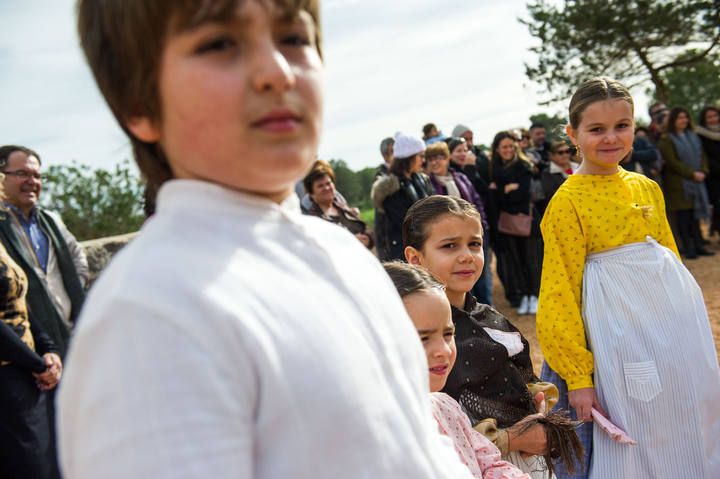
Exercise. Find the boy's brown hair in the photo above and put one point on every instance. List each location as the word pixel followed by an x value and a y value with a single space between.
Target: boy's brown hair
pixel 123 41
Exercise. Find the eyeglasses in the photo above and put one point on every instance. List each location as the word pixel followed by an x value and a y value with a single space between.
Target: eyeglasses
pixel 433 158
pixel 24 174
pixel 562 152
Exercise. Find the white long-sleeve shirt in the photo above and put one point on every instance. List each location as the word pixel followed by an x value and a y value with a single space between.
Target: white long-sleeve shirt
pixel 236 338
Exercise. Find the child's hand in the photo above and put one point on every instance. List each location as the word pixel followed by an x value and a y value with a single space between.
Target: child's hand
pixel 532 441
pixel 583 400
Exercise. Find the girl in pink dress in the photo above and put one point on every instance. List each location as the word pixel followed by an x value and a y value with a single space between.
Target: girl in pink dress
pixel 429 309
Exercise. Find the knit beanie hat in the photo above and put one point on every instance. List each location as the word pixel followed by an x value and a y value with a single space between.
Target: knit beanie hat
pixel 407 145
pixel 459 130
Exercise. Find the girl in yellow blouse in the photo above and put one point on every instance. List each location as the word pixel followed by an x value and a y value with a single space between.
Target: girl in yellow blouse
pixel 621 320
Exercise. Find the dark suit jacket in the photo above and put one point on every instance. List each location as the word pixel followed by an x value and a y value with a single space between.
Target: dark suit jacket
pixel 41 307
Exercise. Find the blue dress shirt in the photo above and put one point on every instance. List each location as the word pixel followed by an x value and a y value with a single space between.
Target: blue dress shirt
pixel 38 238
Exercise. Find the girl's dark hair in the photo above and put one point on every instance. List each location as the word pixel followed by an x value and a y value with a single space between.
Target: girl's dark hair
pixel 674 114
pixel 409 279
pixel 422 215
pixel 704 112
pixel 400 166
pixel 594 90
pixel 453 142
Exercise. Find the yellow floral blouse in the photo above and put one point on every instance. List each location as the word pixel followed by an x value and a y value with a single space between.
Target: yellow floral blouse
pixel 589 213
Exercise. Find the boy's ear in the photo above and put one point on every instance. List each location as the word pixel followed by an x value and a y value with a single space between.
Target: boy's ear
pixel 144 129
pixel 413 256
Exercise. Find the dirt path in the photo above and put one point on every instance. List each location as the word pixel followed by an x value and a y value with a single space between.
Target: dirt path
pixel 706 271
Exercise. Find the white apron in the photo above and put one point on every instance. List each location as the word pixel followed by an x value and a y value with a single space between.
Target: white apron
pixel 534 466
pixel 656 370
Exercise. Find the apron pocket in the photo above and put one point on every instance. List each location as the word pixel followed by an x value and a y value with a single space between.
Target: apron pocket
pixel 642 380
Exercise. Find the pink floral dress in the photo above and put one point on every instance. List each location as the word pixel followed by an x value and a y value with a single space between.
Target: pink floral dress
pixel 480 455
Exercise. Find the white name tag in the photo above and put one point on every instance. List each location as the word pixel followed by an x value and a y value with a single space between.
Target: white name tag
pixel 511 341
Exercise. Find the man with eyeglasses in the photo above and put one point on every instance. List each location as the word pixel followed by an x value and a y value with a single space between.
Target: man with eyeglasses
pixel 38 241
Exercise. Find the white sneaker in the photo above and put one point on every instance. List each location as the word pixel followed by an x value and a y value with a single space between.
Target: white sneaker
pixel 532 308
pixel 524 306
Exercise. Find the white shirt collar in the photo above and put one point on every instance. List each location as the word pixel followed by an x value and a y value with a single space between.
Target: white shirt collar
pixel 213 198
pixel 556 169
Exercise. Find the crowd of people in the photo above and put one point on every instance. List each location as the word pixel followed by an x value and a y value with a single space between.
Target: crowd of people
pixel 250 333
pixel 512 184
pixel 509 190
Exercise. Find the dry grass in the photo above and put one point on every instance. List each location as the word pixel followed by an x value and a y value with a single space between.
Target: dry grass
pixel 706 271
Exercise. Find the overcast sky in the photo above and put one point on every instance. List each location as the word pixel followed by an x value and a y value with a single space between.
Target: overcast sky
pixel 390 65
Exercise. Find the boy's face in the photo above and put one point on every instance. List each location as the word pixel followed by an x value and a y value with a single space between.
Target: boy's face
pixel 241 101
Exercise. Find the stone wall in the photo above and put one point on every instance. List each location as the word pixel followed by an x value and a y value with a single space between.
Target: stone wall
pixel 100 251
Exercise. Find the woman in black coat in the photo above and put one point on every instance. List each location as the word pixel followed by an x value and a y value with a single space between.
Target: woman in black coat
pixel 518 257
pixel 29 365
pixel 395 193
